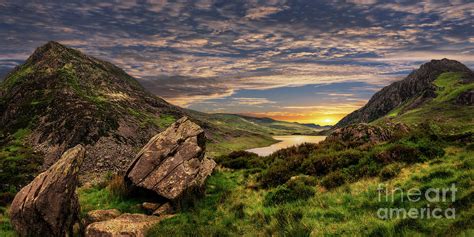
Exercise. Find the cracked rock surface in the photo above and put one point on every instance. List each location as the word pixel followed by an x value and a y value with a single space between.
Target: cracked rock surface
pixel 173 161
pixel 48 206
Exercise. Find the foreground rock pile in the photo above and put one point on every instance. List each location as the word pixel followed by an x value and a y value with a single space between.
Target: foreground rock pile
pixel 48 206
pixel 171 164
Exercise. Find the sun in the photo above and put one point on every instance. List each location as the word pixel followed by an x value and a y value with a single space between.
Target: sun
pixel 327 121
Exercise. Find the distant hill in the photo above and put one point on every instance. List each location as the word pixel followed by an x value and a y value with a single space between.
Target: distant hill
pixel 413 91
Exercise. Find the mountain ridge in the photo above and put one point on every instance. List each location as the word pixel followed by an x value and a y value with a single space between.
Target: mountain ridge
pixel 417 85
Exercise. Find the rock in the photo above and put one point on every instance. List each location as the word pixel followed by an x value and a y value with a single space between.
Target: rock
pixel 150 207
pixel 466 98
pixel 101 215
pixel 125 225
pixel 163 209
pixel 48 206
pixel 360 134
pixel 173 161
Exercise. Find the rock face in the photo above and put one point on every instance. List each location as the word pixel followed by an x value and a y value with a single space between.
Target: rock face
pixel 466 98
pixel 361 133
pixel 416 85
pixel 173 161
pixel 48 206
pixel 135 225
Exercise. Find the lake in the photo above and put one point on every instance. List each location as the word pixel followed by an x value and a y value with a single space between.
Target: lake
pixel 286 141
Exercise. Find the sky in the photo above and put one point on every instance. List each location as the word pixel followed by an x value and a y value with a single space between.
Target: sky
pixel 308 61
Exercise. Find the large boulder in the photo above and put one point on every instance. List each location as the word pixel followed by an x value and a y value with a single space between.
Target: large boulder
pixel 135 225
pixel 173 161
pixel 48 206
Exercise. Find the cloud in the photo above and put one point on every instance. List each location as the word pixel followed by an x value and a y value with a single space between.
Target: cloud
pixel 190 52
pixel 253 101
pixel 261 12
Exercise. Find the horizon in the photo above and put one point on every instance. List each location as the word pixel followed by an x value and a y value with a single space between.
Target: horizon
pixel 300 61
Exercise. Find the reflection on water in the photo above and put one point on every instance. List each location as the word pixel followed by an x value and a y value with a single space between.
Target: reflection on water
pixel 285 141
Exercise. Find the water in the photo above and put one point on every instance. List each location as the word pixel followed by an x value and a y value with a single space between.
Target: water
pixel 286 141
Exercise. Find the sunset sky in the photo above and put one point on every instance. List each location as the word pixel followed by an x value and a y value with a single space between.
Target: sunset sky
pixel 303 60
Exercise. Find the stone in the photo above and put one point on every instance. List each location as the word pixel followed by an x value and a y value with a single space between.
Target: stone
pixel 466 98
pixel 125 225
pixel 150 207
pixel 101 215
pixel 173 161
pixel 360 134
pixel 164 209
pixel 48 206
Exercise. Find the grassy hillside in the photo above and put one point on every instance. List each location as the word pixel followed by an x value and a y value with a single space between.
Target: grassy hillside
pixel 441 111
pixel 303 207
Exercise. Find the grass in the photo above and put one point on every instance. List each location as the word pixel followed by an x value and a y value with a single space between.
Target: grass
pixel 450 86
pixel 6 229
pixel 19 165
pixel 161 121
pixel 95 198
pixel 226 146
pixel 14 78
pixel 232 207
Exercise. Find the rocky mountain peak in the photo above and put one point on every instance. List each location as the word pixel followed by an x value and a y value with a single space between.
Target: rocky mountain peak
pixel 418 84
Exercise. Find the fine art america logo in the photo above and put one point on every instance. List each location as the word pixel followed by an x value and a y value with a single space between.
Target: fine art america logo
pixel 434 197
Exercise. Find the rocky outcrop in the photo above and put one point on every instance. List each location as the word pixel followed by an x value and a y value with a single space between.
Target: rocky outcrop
pixel 417 85
pixel 135 225
pixel 359 134
pixel 173 161
pixel 48 206
pixel 466 98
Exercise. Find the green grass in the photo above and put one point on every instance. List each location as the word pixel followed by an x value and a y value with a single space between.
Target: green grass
pixel 95 198
pixel 14 78
pixel 450 86
pixel 226 146
pixel 231 207
pixel 19 164
pixel 161 121
pixel 6 229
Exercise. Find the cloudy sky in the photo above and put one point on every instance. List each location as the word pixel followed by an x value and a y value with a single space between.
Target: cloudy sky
pixel 301 60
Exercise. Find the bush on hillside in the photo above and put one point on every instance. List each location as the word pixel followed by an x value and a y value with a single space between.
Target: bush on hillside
pixel 389 171
pixel 290 192
pixel 240 160
pixel 333 180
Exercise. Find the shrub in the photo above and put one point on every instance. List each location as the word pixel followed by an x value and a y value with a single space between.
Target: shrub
pixel 293 191
pixel 239 160
pixel 278 173
pixel 399 152
pixel 333 180
pixel 389 171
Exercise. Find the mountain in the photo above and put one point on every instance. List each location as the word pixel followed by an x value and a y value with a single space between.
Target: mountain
pixel 316 126
pixel 411 92
pixel 61 97
pixel 276 127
